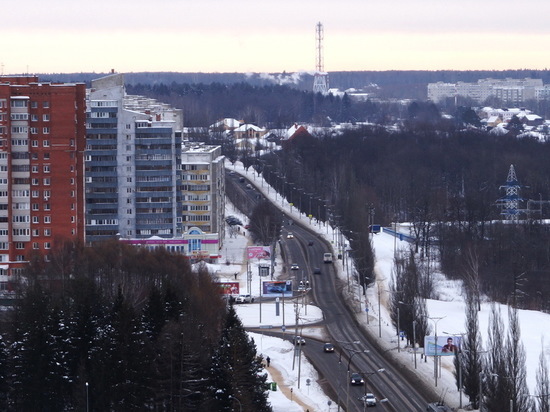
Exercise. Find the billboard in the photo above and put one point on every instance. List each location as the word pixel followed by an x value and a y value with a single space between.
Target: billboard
pixel 258 252
pixel 444 346
pixel 277 288
pixel 229 288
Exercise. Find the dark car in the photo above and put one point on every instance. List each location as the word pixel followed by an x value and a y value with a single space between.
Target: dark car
pixel 328 348
pixel 310 243
pixel 356 379
pixel 316 271
pixel 294 266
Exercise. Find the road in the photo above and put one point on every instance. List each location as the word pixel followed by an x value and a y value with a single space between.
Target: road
pixel 356 348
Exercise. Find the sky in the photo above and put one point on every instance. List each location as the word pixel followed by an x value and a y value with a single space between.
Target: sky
pixel 449 307
pixel 61 36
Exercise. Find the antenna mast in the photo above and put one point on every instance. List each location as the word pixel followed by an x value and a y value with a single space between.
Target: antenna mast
pixel 320 79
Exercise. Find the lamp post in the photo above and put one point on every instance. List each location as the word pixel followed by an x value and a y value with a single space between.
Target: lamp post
pixel 87 398
pixel 238 401
pixel 459 357
pixel 366 375
pixel 436 360
pixel 349 363
pixel 355 342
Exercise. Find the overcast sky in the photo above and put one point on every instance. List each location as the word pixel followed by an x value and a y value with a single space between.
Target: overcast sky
pixel 272 36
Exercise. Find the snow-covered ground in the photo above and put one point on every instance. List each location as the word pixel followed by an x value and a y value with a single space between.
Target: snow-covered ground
pixel 450 308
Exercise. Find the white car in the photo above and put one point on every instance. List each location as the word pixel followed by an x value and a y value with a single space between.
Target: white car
pixel 290 235
pixel 244 299
pixel 369 399
pixel 294 266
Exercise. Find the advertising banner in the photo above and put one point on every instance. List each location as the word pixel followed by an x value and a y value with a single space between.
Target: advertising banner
pixel 277 288
pixel 229 288
pixel 445 346
pixel 259 252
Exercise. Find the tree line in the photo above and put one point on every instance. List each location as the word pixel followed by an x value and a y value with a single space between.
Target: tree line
pixel 118 328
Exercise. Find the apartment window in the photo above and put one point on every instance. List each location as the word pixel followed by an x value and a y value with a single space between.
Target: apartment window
pixel 19 103
pixel 36 232
pixel 47 206
pixel 46 168
pixel 46 117
pixel 47 181
pixel 72 219
pixel 45 130
pixel 35 193
pixel 34 182
pixel 72 206
pixel 34 130
pixel 35 219
pixel 72 193
pixel 34 105
pixel 34 117
pixel 129 179
pixel 34 155
pixel 47 155
pixel 20 258
pixel 35 206
pixel 47 194
pixel 35 245
pixel 72 180
pixel 46 104
pixel 34 169
pixel 47 219
pixel 71 142
pixel 47 232
pixel 19 245
pixel 34 143
pixel 47 245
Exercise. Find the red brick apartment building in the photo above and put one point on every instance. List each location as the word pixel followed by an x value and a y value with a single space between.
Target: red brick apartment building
pixel 42 142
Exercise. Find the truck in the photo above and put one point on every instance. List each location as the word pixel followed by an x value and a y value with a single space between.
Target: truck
pixel 327 257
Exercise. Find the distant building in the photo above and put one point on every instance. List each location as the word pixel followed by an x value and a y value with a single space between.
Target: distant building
pixel 133 161
pixel 510 91
pixel 42 140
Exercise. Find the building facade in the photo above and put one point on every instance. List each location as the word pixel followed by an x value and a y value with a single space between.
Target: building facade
pixel 203 198
pixel 133 162
pixel 42 136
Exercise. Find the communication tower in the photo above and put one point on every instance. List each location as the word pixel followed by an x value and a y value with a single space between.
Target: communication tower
pixel 320 79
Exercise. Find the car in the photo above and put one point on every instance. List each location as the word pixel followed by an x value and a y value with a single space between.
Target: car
pixel 294 266
pixel 310 243
pixel 244 299
pixel 316 271
pixel 356 379
pixel 298 340
pixel 328 347
pixel 369 399
pixel 301 287
pixel 289 235
pixel 276 289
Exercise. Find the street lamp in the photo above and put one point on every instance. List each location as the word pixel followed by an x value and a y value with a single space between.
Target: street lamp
pixel 87 398
pixel 436 360
pixel 366 375
pixel 238 401
pixel 459 357
pixel 349 363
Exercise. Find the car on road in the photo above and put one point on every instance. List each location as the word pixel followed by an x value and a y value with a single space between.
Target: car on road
pixel 369 399
pixel 294 266
pixel 316 271
pixel 289 235
pixel 356 379
pixel 298 340
pixel 328 347
pixel 310 243
pixel 244 299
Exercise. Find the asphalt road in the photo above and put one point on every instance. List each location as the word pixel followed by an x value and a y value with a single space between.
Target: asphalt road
pixel 356 348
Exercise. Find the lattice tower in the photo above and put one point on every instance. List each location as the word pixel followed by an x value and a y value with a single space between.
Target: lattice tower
pixel 320 79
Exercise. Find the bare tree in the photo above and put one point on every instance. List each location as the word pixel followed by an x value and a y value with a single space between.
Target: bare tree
pixel 543 384
pixel 515 365
pixel 470 360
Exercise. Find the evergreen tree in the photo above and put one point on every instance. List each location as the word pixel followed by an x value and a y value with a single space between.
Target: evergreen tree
pixel 237 370
pixel 4 371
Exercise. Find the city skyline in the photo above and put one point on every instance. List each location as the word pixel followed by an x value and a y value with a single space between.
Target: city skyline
pixel 213 36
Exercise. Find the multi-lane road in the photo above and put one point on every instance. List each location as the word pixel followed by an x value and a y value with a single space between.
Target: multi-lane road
pixel 356 348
